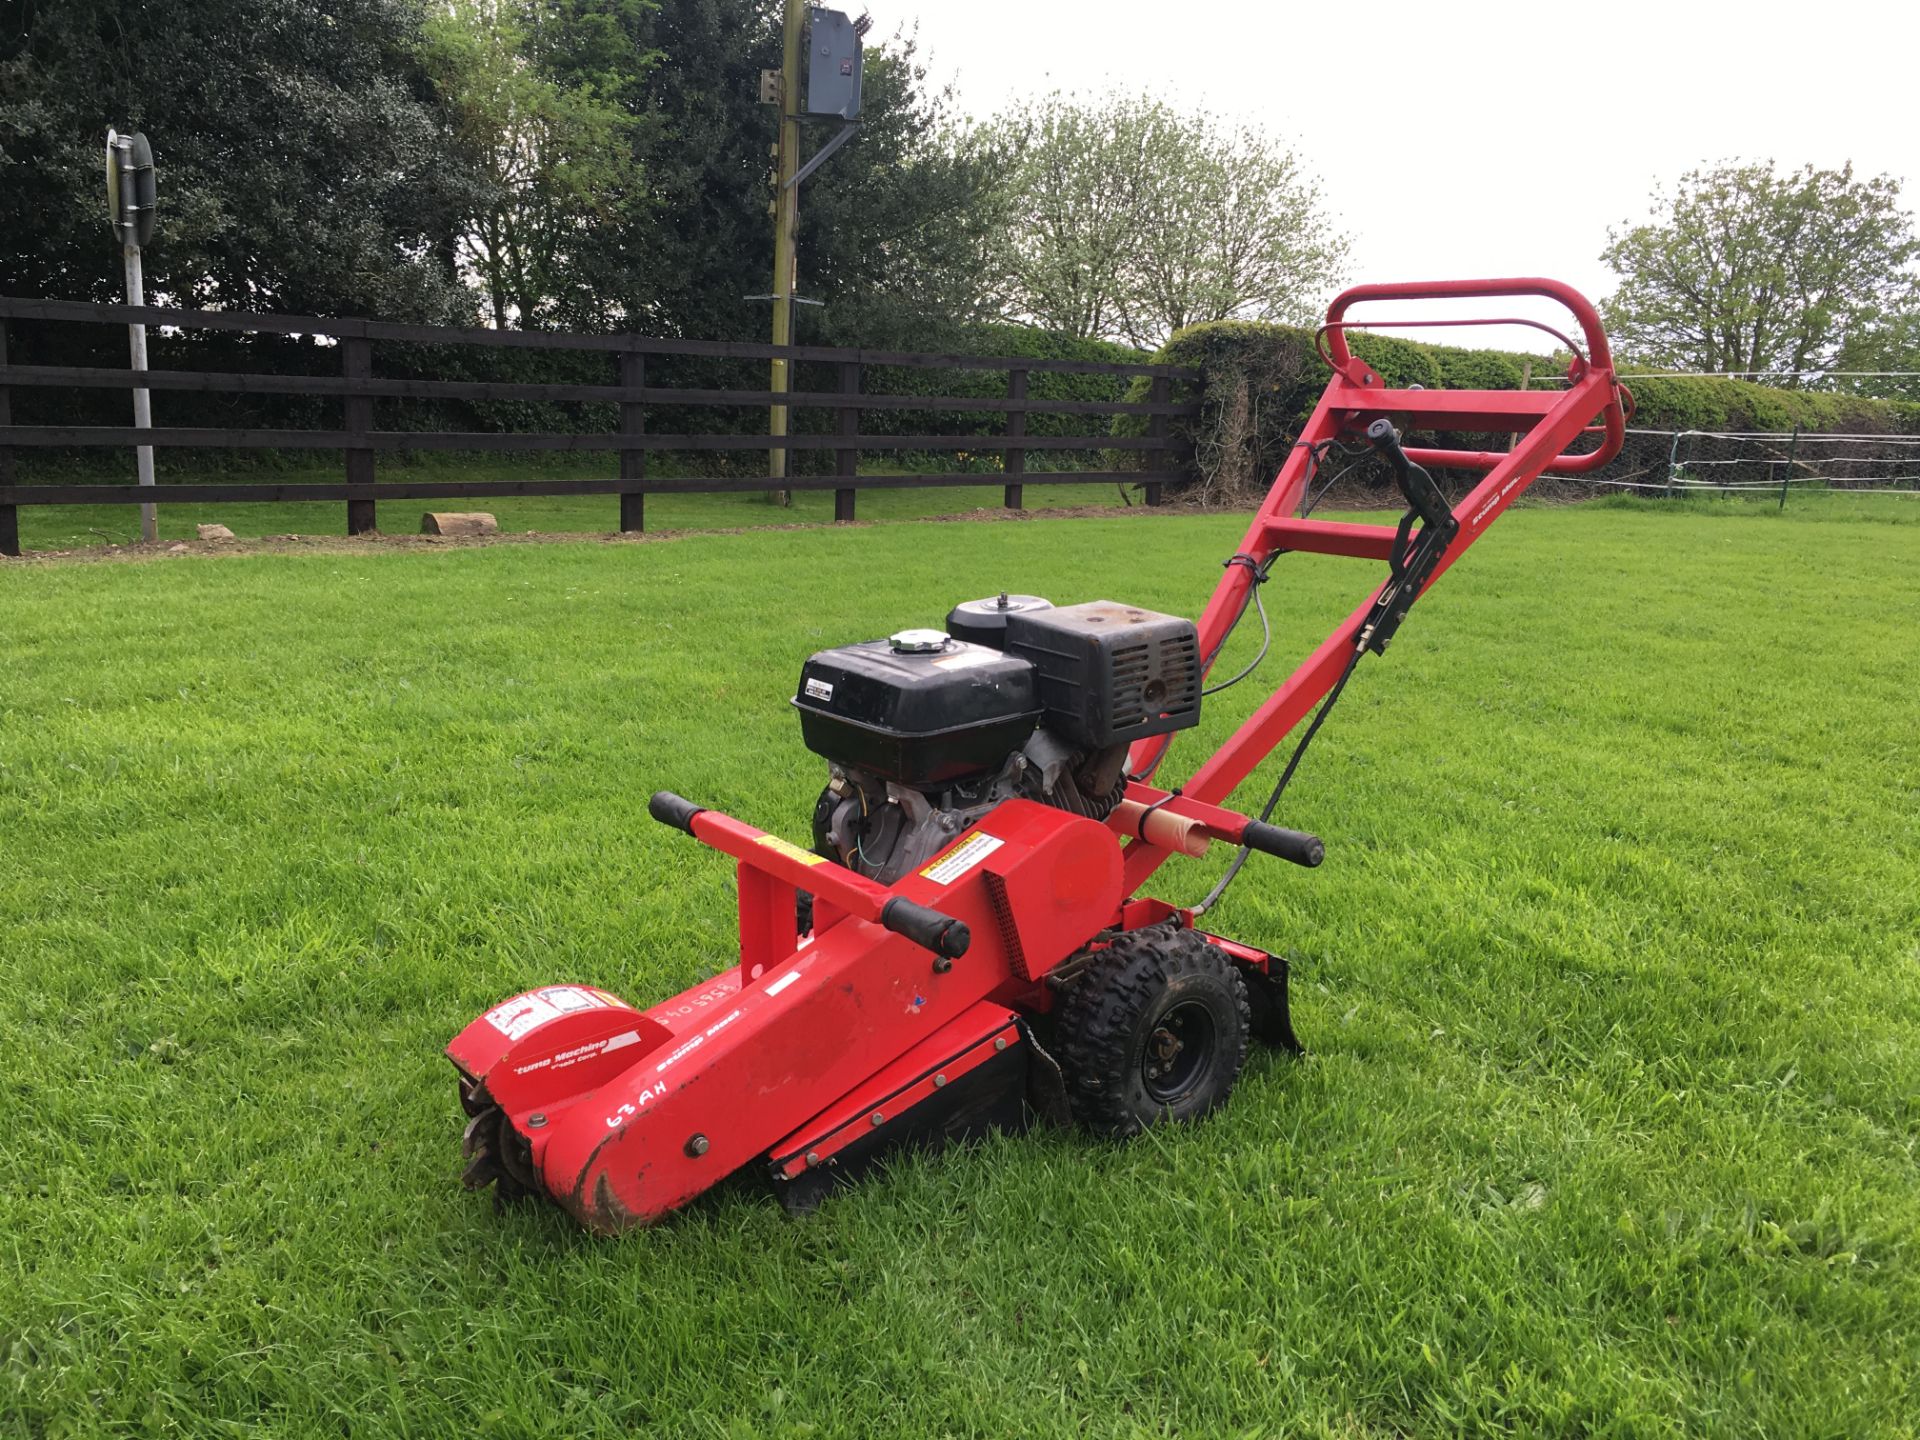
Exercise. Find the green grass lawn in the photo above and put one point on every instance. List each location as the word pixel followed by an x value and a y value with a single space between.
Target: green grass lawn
pixel 1611 982
pixel 66 527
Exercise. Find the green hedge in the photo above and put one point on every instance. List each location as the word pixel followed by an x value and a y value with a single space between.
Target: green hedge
pixel 1260 383
pixel 1000 340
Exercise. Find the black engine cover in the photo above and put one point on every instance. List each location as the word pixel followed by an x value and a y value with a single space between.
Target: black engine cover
pixel 1110 673
pixel 917 719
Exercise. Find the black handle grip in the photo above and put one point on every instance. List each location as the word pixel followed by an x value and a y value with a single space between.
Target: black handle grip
pixel 670 809
pixel 929 929
pixel 1386 440
pixel 1294 845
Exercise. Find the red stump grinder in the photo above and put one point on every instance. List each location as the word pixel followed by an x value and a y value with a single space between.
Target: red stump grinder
pixel 966 944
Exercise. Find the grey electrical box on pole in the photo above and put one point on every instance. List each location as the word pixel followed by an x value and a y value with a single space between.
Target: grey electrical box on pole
pixel 132 199
pixel 833 64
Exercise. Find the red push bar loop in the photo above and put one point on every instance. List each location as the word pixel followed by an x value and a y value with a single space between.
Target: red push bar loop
pixel 1582 310
pixel 1334 326
pixel 1599 367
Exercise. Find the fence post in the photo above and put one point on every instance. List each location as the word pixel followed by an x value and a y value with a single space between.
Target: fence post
pixel 847 457
pixel 1793 447
pixel 1160 394
pixel 9 514
pixel 633 463
pixel 357 364
pixel 1016 462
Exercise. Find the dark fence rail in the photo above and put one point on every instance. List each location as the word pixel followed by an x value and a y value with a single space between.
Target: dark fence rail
pixel 628 399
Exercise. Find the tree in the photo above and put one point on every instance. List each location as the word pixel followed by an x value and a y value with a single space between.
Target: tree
pixel 301 163
pixel 1889 345
pixel 891 228
pixel 1127 218
pixel 1744 269
pixel 539 96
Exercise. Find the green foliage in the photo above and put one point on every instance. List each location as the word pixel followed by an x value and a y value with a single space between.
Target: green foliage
pixel 301 167
pixel 538 99
pixel 587 164
pixel 1693 403
pixel 890 227
pixel 1123 216
pixel 1261 382
pixel 1005 340
pixel 1889 345
pixel 1743 269
pixel 1606 1128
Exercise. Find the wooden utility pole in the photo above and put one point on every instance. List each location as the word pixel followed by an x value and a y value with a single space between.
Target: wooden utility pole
pixel 786 210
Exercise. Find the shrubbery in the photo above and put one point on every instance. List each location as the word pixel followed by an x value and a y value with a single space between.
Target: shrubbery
pixel 1260 382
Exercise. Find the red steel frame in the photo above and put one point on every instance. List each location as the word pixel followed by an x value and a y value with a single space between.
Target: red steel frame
pixel 814 1039
pixel 1552 420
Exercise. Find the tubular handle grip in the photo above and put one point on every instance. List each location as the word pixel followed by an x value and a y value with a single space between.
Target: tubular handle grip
pixel 929 929
pixel 1386 440
pixel 1293 845
pixel 671 809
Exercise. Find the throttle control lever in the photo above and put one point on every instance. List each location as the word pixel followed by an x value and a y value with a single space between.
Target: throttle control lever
pixel 1414 554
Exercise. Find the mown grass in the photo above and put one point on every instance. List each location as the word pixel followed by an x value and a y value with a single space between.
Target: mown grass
pixel 1611 983
pixel 69 527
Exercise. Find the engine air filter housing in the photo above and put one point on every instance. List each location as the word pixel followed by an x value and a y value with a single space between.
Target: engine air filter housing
pixel 1108 673
pixel 984 622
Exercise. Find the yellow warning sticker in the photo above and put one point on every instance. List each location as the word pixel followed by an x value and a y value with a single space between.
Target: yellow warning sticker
pixel 963 857
pixel 790 850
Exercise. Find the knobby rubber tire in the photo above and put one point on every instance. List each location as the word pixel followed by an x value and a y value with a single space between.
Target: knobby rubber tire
pixel 1108 1019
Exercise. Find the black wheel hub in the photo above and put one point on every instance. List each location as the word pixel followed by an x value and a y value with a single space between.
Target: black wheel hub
pixel 1179 1050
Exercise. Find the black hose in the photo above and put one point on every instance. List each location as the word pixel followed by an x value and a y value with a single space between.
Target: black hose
pixel 1280 786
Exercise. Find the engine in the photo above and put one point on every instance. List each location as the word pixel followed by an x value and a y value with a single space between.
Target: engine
pixel 927 730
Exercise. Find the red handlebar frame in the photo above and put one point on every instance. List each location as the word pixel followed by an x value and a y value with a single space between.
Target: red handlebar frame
pixel 1542 424
pixel 1599 356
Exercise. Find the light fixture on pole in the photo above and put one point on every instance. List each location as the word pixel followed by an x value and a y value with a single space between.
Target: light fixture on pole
pixel 131 205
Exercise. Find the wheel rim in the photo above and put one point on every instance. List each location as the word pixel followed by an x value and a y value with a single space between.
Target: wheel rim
pixel 1179 1051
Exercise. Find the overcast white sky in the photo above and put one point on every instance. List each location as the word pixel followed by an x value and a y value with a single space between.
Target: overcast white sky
pixel 1473 138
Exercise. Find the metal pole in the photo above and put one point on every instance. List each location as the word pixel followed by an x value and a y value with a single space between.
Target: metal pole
pixel 786 210
pixel 142 406
pixel 1793 447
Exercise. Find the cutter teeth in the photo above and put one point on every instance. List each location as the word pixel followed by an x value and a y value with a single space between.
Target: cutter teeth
pixel 496 1154
pixel 481 1171
pixel 473 1096
pixel 479 1130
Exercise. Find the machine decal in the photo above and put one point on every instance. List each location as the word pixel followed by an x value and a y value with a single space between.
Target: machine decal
pixel 790 850
pixel 632 1107
pixel 680 1054
pixel 580 1052
pixel 962 857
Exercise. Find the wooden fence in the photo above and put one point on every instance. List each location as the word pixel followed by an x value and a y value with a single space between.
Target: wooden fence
pixel 358 386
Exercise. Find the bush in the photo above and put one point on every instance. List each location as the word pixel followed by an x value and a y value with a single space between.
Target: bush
pixel 1024 342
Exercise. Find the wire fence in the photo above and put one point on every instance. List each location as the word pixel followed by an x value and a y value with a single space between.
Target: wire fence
pixel 1762 462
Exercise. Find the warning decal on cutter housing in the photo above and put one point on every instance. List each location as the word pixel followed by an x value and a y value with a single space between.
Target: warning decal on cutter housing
pixel 963 857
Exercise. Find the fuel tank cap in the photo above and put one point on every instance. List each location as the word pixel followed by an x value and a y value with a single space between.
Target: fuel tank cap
pixel 918 642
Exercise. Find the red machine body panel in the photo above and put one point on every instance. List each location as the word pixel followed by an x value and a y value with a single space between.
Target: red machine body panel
pixel 729 1068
